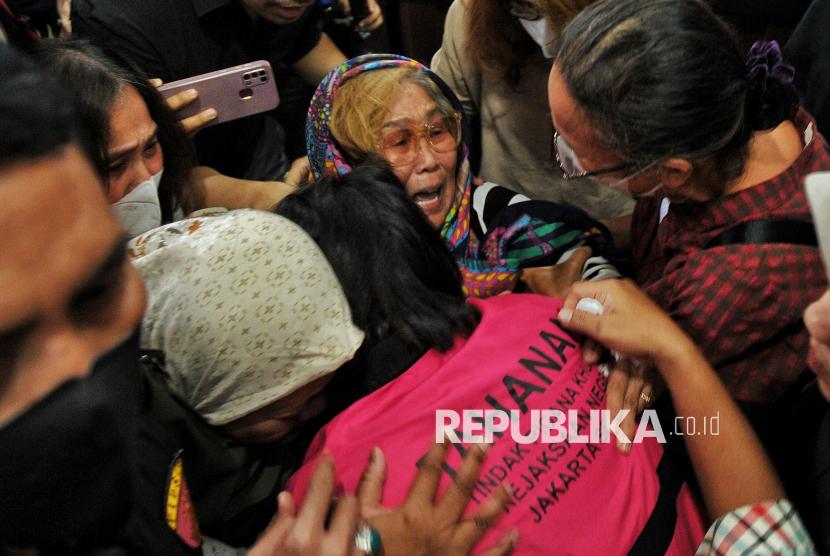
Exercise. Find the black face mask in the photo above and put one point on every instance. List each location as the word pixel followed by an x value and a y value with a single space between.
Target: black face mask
pixel 66 465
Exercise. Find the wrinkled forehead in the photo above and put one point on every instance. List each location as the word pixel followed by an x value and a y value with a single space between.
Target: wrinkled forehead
pixel 413 106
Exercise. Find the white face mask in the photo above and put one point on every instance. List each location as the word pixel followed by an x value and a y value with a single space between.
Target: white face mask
pixel 139 210
pixel 621 184
pixel 542 34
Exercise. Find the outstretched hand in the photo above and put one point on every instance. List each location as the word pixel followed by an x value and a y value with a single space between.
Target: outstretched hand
pixel 631 323
pixel 421 526
pixel 635 327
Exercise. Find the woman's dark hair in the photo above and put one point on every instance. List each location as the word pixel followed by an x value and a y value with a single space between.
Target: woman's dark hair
pixel 394 267
pixel 94 76
pixel 659 79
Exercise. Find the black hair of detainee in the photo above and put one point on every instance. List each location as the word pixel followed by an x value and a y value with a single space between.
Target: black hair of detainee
pixel 94 76
pixel 36 117
pixel 395 269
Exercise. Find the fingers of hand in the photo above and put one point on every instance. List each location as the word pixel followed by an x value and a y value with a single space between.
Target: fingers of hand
pixel 536 280
pixel 299 171
pixel 370 487
pixel 317 497
pixel 505 545
pixel 473 528
pixel 817 319
pixel 274 536
pixel 615 390
pixel 344 522
pixel 601 290
pixel 286 505
pixel 569 272
pixel 375 18
pixel 194 123
pixel 553 281
pixel 819 359
pixel 155 82
pixel 182 98
pixel 425 484
pixel 645 398
pixel 457 496
pixel 580 257
pixel 311 539
pixel 582 322
pixel 631 401
pixel 372 22
pixel 591 351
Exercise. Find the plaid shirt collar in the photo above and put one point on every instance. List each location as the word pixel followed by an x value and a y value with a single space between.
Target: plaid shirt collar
pixel 709 218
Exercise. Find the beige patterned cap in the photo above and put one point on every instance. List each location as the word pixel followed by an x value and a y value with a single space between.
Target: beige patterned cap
pixel 245 308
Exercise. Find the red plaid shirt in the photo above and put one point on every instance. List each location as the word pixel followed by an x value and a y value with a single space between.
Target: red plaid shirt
pixel 741 303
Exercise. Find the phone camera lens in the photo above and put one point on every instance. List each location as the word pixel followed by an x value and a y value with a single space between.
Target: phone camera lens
pixel 263 79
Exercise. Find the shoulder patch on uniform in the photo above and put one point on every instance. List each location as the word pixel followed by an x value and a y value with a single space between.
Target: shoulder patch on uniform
pixel 179 511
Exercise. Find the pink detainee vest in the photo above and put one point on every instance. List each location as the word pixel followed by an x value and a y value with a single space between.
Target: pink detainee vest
pixel 571 498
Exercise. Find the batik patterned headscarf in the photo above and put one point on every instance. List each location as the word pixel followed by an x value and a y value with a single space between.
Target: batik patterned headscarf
pixel 481 277
pixel 245 308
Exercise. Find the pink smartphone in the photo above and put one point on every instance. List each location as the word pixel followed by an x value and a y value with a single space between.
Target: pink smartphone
pixel 234 92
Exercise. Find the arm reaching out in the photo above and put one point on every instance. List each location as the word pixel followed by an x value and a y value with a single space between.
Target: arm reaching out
pixel 732 467
pixel 209 188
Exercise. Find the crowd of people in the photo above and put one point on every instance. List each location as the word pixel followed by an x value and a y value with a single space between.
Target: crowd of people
pixel 559 293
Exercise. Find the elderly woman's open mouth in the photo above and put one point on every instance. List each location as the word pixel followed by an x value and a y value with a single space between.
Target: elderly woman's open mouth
pixel 429 199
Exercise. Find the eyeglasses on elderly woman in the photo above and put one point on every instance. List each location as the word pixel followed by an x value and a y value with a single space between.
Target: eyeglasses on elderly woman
pixel 401 144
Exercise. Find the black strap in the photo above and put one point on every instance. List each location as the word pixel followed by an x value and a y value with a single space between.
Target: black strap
pixel 658 532
pixel 795 232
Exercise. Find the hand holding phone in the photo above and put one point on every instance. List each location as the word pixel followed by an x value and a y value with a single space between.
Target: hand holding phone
pixel 193 124
pixel 231 93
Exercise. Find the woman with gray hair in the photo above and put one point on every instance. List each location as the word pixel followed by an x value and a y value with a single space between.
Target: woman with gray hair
pixel 653 98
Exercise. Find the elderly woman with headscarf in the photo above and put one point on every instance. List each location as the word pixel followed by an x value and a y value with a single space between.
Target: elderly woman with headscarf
pixel 396 108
